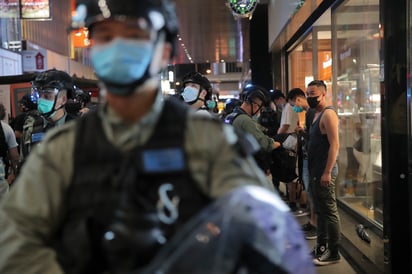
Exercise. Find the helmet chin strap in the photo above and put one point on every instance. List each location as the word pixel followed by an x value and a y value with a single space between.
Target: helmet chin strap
pixel 48 115
pixel 150 84
pixel 156 64
pixel 203 100
pixel 51 114
pixel 253 112
pixel 145 83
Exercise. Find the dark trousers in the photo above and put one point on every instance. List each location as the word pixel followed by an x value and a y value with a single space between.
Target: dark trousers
pixel 325 206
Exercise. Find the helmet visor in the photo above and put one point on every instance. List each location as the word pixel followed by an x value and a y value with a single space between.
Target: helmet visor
pixel 47 93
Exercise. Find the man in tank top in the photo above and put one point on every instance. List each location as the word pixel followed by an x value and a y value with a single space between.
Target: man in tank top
pixel 323 170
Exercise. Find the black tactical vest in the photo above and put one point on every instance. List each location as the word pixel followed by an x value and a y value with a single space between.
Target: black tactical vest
pixel 33 132
pixel 123 207
pixel 34 129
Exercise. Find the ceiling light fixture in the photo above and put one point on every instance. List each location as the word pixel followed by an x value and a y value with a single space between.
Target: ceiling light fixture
pixel 182 44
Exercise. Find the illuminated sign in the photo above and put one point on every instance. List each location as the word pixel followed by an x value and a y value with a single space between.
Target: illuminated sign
pixel 80 38
pixel 35 9
pixel 25 9
pixel 9 8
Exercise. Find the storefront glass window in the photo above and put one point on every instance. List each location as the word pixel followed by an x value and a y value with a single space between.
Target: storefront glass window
pixel 300 64
pixel 357 87
pixel 343 49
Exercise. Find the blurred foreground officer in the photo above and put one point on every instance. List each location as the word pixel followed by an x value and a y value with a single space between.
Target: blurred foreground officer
pixel 108 193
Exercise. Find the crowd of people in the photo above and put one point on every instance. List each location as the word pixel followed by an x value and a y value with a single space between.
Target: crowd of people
pixel 313 170
pixel 146 180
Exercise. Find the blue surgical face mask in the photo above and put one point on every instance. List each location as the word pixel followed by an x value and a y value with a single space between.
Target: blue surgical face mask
pixel 190 94
pixel 122 61
pixel 44 106
pixel 297 109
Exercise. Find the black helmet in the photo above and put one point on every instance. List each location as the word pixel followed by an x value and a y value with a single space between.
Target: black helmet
pixel 231 103
pixel 250 92
pixel 54 78
pixel 27 102
pixel 276 94
pixel 82 96
pixel 293 93
pixel 91 11
pixel 80 100
pixel 197 78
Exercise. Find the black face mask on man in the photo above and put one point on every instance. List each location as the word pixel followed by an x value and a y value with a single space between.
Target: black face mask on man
pixel 313 101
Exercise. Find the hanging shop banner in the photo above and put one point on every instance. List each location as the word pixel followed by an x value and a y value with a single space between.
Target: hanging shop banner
pixel 35 9
pixel 9 8
pixel 80 38
pixel 34 60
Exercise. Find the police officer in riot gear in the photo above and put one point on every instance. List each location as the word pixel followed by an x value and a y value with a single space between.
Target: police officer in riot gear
pixel 197 92
pixel 108 193
pixel 51 90
pixel 246 117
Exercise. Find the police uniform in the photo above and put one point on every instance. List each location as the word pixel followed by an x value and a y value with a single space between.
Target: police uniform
pixel 34 210
pixel 247 124
pixel 75 208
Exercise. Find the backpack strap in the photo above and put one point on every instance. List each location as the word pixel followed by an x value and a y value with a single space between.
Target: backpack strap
pixel 232 116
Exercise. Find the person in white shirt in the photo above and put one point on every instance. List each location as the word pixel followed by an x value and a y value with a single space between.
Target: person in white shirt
pixel 288 124
pixel 9 156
